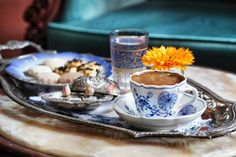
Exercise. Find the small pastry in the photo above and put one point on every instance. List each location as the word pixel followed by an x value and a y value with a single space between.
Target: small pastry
pixel 48 77
pixel 74 63
pixel 34 70
pixel 70 77
pixel 55 63
pixel 73 69
pixel 68 70
pixel 90 72
pixel 61 70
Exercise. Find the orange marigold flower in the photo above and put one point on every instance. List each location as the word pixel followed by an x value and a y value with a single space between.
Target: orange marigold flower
pixel 164 58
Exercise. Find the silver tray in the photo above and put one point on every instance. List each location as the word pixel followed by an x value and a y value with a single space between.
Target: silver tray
pixel 217 120
pixel 76 100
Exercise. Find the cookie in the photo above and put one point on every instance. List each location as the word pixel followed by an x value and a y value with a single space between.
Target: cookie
pixel 34 70
pixel 48 77
pixel 74 63
pixel 55 63
pixel 70 77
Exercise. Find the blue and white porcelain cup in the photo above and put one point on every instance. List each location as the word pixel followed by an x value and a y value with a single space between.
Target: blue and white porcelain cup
pixel 160 100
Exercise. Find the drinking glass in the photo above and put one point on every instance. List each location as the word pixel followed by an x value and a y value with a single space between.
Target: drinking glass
pixel 127 48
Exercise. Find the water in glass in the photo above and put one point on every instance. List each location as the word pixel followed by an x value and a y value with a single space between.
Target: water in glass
pixel 126 54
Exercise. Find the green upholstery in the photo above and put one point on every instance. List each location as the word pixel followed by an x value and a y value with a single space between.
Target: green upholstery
pixel 206 27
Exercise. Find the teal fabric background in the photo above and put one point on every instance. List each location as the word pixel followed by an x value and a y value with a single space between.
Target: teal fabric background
pixel 89 9
pixel 207 27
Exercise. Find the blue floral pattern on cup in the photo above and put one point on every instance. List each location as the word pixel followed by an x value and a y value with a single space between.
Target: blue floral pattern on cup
pixel 165 103
pixel 187 110
pixel 129 111
pixel 167 100
pixel 143 101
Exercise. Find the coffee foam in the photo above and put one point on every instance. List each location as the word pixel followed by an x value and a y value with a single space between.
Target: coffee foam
pixel 157 78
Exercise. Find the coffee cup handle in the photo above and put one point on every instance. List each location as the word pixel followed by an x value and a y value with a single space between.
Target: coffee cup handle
pixel 195 96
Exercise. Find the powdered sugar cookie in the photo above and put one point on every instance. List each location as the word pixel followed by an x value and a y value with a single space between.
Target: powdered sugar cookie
pixel 48 77
pixel 70 77
pixel 34 70
pixel 55 62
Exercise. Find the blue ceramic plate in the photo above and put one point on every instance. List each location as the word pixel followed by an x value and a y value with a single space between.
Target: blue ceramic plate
pixel 18 66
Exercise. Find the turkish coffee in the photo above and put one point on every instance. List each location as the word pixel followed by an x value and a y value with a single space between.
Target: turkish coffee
pixel 157 78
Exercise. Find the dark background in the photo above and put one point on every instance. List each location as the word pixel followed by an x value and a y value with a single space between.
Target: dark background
pixel 12 25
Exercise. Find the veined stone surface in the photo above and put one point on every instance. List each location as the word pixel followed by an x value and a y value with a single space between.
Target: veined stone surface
pixel 220 82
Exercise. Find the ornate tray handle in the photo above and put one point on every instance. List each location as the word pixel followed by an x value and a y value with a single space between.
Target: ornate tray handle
pixel 16 44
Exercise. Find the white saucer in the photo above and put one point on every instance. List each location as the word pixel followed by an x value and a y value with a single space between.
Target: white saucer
pixel 125 107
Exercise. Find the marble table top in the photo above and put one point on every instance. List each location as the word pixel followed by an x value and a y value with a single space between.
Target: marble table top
pixel 61 138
